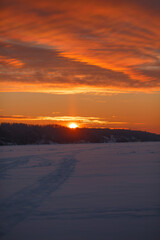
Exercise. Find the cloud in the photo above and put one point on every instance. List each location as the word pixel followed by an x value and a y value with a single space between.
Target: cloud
pixel 10 61
pixel 14 117
pixel 64 120
pixel 80 45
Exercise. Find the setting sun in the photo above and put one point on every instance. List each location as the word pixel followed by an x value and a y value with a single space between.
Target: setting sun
pixel 73 125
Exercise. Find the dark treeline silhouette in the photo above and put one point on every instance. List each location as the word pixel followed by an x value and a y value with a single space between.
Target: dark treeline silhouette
pixel 17 133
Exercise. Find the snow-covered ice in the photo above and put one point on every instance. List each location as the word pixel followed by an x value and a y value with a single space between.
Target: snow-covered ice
pixel 80 192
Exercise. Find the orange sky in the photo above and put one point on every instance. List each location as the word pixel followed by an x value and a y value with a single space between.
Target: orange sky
pixel 94 62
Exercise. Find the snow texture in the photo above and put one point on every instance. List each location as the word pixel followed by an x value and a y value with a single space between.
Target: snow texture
pixel 80 191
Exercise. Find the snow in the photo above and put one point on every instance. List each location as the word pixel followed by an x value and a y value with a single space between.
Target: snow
pixel 80 191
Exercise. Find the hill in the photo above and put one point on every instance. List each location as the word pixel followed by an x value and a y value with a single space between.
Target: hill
pixel 21 134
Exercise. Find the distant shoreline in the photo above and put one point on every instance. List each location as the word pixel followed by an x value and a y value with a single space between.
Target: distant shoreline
pixel 23 134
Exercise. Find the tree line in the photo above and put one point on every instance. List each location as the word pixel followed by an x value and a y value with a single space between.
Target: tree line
pixel 21 134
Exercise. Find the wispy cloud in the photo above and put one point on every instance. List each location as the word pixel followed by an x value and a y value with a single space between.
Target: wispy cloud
pixel 82 45
pixel 15 117
pixel 13 62
pixel 64 120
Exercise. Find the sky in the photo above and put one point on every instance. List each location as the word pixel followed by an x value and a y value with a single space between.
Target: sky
pixel 93 62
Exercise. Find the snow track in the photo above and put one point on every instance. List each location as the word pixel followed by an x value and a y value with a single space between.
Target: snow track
pixel 19 205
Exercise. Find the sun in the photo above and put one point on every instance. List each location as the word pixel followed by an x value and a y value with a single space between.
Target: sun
pixel 73 125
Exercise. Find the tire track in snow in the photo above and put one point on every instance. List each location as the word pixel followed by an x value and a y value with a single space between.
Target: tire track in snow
pixel 97 213
pixel 21 204
pixel 14 163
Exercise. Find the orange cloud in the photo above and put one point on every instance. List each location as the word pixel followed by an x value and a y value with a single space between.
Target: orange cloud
pixel 10 61
pixel 118 39
pixel 64 120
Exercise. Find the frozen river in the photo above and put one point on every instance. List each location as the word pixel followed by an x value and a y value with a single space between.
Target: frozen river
pixel 80 192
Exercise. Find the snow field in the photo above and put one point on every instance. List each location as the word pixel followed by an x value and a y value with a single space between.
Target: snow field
pixel 80 191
